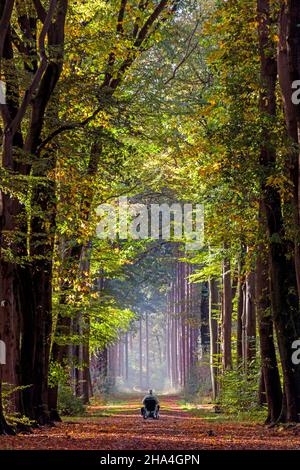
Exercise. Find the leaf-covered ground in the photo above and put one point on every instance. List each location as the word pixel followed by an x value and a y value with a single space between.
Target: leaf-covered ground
pixel 119 426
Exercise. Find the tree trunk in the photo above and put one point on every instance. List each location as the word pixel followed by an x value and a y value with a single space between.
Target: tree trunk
pixel 86 373
pixel 240 310
pixel 204 329
pixel 288 72
pixel 168 338
pixel 284 289
pixel 4 427
pixel 250 319
pixel 147 353
pixel 227 316
pixel 271 378
pixel 213 329
pixel 141 354
pixel 126 376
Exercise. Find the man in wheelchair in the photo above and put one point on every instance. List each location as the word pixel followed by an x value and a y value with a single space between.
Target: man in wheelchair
pixel 151 406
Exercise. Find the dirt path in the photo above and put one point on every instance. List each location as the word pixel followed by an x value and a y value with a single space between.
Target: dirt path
pixel 119 426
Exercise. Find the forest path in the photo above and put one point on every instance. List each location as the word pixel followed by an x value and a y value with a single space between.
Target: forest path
pixel 118 425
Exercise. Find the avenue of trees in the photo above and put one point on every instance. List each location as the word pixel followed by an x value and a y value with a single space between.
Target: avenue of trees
pixel 167 345
pixel 161 101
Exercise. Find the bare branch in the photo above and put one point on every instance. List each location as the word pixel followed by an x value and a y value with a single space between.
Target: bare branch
pixel 189 51
pixel 180 64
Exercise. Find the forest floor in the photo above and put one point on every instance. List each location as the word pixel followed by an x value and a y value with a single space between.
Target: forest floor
pixel 117 425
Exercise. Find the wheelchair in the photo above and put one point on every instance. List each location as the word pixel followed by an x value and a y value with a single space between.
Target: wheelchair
pixel 150 409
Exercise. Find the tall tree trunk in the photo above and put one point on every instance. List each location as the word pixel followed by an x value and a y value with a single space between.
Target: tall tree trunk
pixel 227 315
pixel 213 329
pixel 141 353
pixel 288 72
pixel 250 318
pixel 11 308
pixel 204 330
pixel 126 375
pixel 43 229
pixel 241 306
pixel 284 289
pixel 271 378
pixel 4 427
pixel 86 373
pixel 240 310
pixel 147 352
pixel 168 338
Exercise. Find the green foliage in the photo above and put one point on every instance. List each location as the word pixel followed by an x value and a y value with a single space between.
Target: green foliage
pixel 57 374
pixel 14 419
pixel 239 390
pixel 68 404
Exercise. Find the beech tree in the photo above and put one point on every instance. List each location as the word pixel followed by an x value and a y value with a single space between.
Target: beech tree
pixel 34 35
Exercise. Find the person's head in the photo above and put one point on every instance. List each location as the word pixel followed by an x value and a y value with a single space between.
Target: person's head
pixel 150 392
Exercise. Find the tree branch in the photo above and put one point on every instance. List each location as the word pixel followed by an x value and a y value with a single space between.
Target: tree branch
pixel 68 127
pixel 152 18
pixel 13 127
pixel 41 12
pixel 120 28
pixel 4 24
pixel 142 6
pixel 108 83
pixel 189 50
pixel 113 83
